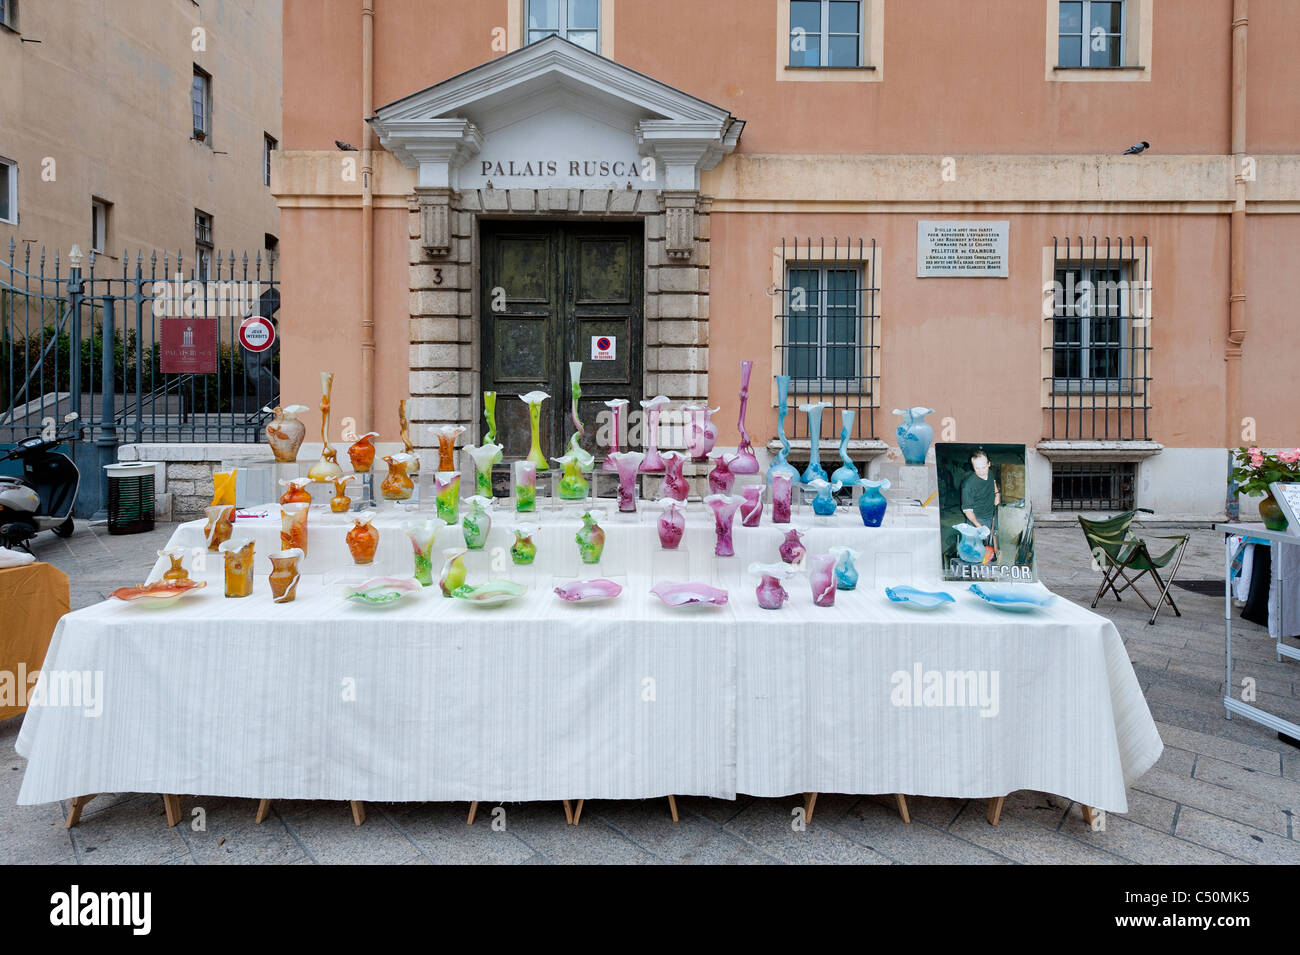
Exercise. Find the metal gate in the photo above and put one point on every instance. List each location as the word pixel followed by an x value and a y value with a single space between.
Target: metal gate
pixel 73 342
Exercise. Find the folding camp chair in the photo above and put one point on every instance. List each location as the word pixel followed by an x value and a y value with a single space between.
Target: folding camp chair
pixel 1118 553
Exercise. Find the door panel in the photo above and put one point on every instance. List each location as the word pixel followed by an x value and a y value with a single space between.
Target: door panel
pixel 564 284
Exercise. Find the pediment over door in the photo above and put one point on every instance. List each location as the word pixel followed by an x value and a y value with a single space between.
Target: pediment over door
pixel 553 115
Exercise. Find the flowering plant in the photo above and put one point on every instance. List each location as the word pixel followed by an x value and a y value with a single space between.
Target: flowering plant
pixel 1256 469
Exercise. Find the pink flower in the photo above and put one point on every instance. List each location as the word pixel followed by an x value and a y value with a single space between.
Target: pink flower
pixel 1256 457
pixel 1289 457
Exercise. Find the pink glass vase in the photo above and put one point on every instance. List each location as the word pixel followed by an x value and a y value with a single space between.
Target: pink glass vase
pixel 701 432
pixel 721 477
pixel 746 462
pixel 771 595
pixel 650 433
pixel 792 548
pixel 751 512
pixel 724 507
pixel 821 574
pixel 782 485
pixel 671 523
pixel 674 485
pixel 628 464
pixel 616 408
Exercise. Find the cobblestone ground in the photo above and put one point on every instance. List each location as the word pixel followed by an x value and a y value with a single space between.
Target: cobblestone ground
pixel 1223 792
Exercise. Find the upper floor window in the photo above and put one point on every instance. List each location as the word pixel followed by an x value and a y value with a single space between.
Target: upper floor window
pixel 9 13
pixel 201 104
pixel 824 309
pixel 99 212
pixel 576 20
pixel 1091 34
pixel 826 33
pixel 269 145
pixel 202 245
pixel 8 190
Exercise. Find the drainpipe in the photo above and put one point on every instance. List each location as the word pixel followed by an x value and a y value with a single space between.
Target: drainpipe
pixel 1237 299
pixel 367 218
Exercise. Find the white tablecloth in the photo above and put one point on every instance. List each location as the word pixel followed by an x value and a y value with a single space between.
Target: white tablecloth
pixel 436 700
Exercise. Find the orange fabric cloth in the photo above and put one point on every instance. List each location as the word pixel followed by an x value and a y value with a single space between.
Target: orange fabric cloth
pixel 33 598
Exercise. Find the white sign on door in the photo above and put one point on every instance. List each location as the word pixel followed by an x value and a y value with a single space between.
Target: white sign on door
pixel 602 347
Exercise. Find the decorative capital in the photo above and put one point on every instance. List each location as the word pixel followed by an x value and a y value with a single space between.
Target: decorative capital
pixel 434 147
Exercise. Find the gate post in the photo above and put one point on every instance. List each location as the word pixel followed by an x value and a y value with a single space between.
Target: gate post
pixel 106 441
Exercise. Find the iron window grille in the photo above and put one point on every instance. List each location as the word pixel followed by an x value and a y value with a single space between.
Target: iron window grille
pixel 826 33
pixel 577 21
pixel 1098 366
pixel 1094 486
pixel 827 332
pixel 202 244
pixel 1091 34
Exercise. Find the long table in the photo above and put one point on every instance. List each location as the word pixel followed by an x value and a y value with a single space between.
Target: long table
pixel 437 700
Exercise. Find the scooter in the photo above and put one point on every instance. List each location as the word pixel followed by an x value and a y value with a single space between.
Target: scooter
pixel 42 498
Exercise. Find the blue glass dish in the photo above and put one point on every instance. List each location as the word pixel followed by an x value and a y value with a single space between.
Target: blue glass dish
pixel 1017 598
pixel 919 599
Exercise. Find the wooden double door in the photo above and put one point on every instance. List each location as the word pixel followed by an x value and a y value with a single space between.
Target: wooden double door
pixel 552 293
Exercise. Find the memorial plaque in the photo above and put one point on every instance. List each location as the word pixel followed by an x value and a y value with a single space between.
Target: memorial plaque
pixel 956 249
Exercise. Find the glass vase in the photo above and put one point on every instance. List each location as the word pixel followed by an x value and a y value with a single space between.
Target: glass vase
pixel 340 503
pixel 477 524
pixel 525 487
pixel 823 504
pixel 872 503
pixel 914 434
pixel 671 524
pixel 524 550
pixel 219 525
pixel 362 452
pixel 746 462
pixel 284 575
pixel 781 465
pixel 771 595
pixel 293 526
pixel 422 534
pixel 573 486
pixel 628 464
pixel 453 570
pixel 284 432
pixel 792 548
pixel 846 570
pixel 446 485
pixel 847 473
pixel 782 490
pixel 534 401
pixel 295 491
pixel 701 432
pixel 327 468
pixel 751 512
pixel 447 435
pixel 721 478
pixel 724 507
pixel 362 539
pixel 674 484
pixel 814 469
pixel 651 407
pixel 485 458
pixel 238 555
pixel 590 538
pixel 397 484
pixel 821 575
pixel 616 408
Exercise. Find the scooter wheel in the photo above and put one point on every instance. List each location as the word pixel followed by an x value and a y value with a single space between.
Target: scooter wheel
pixel 64 529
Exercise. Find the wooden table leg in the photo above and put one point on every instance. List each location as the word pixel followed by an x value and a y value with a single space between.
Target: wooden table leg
pixel 263 810
pixel 577 811
pixel 809 801
pixel 172 803
pixel 473 809
pixel 901 801
pixel 568 813
pixel 74 811
pixel 358 812
pixel 995 810
pixel 1087 813
pixel 672 807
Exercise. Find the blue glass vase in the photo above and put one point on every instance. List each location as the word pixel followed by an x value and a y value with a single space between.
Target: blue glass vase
pixel 814 469
pixel 970 542
pixel 823 504
pixel 914 434
pixel 846 571
pixel 872 503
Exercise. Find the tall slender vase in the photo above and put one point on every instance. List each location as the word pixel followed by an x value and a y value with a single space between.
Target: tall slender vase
pixel 446 485
pixel 650 433
pixel 846 474
pixel 327 468
pixel 422 535
pixel 814 469
pixel 724 507
pixel 284 575
pixel 616 407
pixel 490 416
pixel 821 574
pixel 447 435
pixel 238 555
pixel 404 429
pixel 781 465
pixel 782 489
pixel 751 512
pixel 525 487
pixel 746 462
pixel 293 526
pixel 628 463
pixel 534 401
pixel 585 460
pixel 485 458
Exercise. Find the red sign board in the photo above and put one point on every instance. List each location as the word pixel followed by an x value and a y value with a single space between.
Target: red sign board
pixel 189 346
pixel 256 333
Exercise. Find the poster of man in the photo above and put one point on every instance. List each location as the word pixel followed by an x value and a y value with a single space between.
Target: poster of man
pixel 985 525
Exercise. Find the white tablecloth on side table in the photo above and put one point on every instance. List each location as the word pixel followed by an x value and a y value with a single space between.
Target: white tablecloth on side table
pixel 436 700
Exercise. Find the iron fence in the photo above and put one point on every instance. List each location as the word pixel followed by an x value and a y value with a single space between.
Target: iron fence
pixel 90 342
pixel 828 329
pixel 1098 362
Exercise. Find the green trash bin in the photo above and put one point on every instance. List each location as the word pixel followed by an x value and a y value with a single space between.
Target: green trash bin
pixel 130 498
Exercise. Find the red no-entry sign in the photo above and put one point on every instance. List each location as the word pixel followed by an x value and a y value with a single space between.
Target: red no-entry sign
pixel 256 333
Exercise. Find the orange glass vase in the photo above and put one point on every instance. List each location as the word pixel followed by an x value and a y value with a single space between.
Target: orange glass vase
pixel 362 452
pixel 284 575
pixel 362 540
pixel 397 486
pixel 340 502
pixel 295 491
pixel 218 528
pixel 239 567
pixel 293 527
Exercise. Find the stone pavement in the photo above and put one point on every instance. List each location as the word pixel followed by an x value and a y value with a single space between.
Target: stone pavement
pixel 1223 792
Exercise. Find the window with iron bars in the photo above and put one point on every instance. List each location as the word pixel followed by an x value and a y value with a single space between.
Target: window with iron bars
pixel 827 332
pixel 1094 486
pixel 1097 345
pixel 202 245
